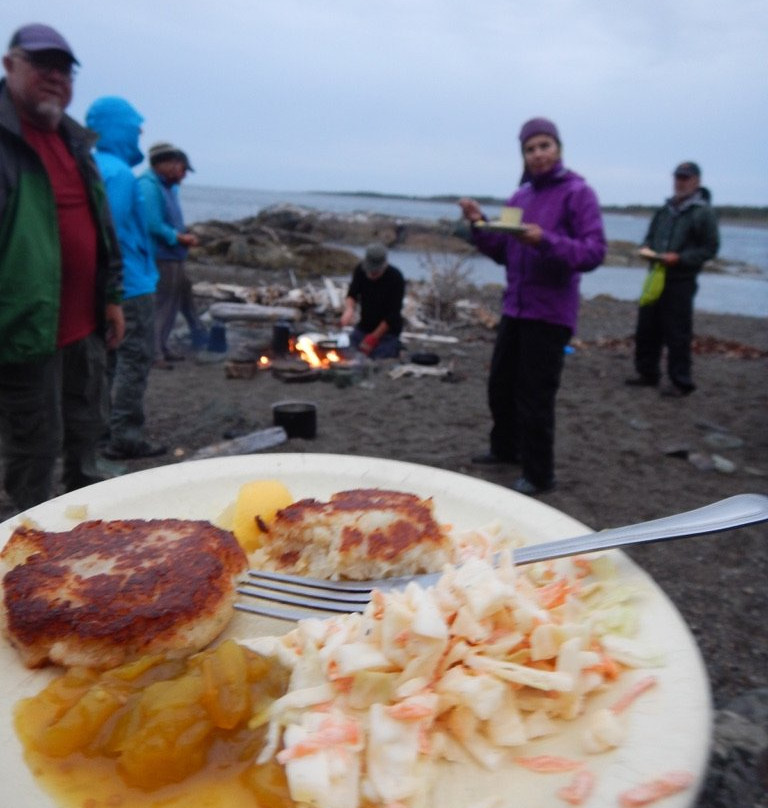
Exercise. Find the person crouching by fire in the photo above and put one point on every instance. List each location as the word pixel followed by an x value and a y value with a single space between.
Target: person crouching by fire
pixel 378 289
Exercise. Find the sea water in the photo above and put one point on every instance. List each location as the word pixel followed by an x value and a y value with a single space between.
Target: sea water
pixel 728 294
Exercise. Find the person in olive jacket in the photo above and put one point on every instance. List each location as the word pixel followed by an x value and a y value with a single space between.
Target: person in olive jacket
pixel 60 275
pixel 682 236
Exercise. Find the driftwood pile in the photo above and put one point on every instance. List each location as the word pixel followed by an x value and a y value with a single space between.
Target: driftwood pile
pixel 323 301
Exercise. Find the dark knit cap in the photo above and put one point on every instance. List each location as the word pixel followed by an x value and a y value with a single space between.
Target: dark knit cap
pixel 538 126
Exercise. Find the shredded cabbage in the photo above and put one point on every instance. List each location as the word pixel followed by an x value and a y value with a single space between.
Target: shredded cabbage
pixel 481 663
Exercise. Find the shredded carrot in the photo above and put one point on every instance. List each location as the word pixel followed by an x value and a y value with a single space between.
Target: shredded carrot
pixel 401 638
pixel 579 789
pixel 547 764
pixel 408 711
pixel 331 733
pixel 636 690
pixel 343 684
pixel 378 600
pixel 607 666
pixel 553 594
pixel 583 566
pixel 653 790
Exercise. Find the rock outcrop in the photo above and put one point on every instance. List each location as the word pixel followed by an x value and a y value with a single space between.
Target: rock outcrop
pixel 308 241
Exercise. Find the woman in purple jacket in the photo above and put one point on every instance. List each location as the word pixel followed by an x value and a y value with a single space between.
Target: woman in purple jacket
pixel 561 236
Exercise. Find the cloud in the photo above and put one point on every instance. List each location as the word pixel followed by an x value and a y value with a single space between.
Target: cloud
pixel 427 96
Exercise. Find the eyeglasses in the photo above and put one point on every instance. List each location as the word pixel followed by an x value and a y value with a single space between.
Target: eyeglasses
pixel 48 62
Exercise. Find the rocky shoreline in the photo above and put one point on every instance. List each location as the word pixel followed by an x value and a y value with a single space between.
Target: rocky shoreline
pixel 310 242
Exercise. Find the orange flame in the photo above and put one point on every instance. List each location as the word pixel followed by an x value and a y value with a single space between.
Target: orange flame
pixel 307 350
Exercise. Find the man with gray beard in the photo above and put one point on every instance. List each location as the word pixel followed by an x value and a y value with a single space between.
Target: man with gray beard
pixel 60 275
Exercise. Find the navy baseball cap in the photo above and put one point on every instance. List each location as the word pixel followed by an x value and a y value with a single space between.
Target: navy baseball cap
pixel 687 169
pixel 38 37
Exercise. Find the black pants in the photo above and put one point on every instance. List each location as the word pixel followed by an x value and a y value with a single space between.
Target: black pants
pixel 56 405
pixel 667 323
pixel 526 366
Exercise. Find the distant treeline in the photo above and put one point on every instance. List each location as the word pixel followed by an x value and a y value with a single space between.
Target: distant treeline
pixel 744 214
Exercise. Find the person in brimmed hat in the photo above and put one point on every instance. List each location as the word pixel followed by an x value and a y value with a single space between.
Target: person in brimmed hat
pixel 168 166
pixel 378 288
pixel 118 126
pixel 682 236
pixel 560 235
pixel 60 275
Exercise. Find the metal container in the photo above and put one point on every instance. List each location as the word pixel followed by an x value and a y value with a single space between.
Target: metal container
pixel 297 418
pixel 281 335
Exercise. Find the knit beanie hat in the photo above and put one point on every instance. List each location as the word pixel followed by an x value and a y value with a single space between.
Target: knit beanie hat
pixel 538 126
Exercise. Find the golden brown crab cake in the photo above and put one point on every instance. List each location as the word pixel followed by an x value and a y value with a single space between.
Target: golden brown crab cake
pixel 107 592
pixel 358 534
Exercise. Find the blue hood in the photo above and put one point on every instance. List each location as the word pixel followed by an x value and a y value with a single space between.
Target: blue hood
pixel 118 126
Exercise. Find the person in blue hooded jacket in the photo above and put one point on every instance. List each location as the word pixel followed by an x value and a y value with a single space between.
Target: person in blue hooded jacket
pixel 118 126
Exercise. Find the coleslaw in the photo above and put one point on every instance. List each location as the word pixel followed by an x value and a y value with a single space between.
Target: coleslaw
pixel 469 670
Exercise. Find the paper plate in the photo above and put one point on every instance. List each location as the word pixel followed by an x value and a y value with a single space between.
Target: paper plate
pixel 497 226
pixel 669 727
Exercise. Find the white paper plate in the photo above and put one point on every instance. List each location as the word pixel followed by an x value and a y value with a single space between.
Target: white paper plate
pixel 669 727
pixel 497 226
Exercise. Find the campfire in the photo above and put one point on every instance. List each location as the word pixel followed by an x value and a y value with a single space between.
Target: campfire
pixel 317 354
pixel 309 356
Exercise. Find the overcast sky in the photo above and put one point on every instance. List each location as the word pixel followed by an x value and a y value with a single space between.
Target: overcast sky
pixel 427 96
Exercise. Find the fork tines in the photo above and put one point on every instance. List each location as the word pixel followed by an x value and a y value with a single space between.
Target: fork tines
pixel 264 590
pixel 308 596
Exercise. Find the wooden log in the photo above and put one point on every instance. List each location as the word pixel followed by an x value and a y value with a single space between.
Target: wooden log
pixel 420 370
pixel 252 312
pixel 406 335
pixel 245 444
pixel 334 298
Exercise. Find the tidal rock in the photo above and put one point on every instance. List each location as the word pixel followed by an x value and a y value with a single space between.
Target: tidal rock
pixel 722 464
pixel 723 440
pixel 738 771
pixel 701 461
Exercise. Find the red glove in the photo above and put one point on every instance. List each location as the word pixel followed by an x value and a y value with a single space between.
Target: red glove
pixel 368 344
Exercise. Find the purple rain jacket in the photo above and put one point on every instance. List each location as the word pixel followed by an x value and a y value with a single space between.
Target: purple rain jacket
pixel 543 281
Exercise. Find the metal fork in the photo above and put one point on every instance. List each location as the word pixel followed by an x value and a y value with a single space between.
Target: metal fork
pixel 308 596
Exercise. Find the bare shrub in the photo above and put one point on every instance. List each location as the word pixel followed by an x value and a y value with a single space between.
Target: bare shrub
pixel 448 283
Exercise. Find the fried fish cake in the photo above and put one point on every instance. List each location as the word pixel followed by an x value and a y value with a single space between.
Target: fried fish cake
pixel 107 592
pixel 361 533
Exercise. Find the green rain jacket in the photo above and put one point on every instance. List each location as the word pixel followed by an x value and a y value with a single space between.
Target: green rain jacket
pixel 690 230
pixel 30 261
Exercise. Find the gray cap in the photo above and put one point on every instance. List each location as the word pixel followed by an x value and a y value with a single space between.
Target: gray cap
pixel 375 258
pixel 39 37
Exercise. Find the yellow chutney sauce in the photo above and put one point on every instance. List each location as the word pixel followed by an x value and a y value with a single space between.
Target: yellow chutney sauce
pixel 157 733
